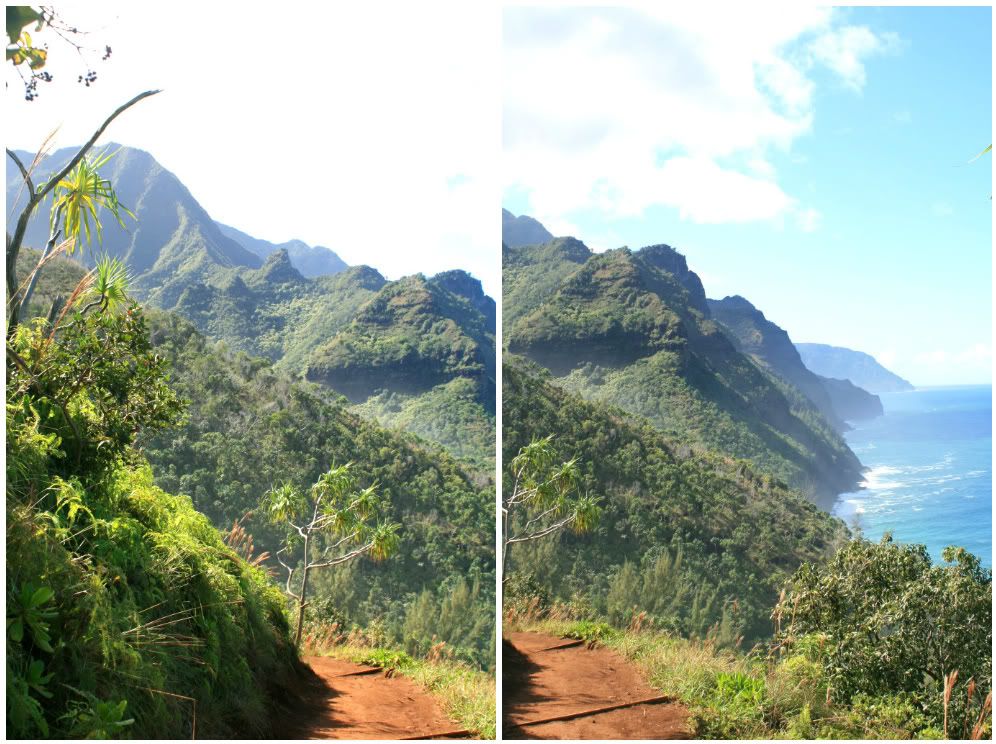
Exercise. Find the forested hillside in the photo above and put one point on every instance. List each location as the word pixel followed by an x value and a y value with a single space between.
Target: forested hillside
pixel 301 308
pixel 695 539
pixel 633 328
pixel 127 614
pixel 250 426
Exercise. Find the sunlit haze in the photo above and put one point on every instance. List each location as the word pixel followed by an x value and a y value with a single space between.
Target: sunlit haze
pixel 373 131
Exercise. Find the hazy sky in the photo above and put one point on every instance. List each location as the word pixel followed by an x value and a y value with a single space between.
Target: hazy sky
pixel 373 130
pixel 813 161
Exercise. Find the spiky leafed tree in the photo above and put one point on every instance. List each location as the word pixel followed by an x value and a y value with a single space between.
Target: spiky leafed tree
pixel 544 498
pixel 331 523
pixel 78 192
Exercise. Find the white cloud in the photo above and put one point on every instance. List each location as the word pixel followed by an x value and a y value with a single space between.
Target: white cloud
pixel 843 50
pixel 617 110
pixel 976 353
pixel 937 356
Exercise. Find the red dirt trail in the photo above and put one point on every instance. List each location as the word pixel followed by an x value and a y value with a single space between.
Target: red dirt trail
pixel 540 682
pixel 338 703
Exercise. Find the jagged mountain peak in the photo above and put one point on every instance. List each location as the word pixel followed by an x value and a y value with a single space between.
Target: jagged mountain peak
pixel 279 269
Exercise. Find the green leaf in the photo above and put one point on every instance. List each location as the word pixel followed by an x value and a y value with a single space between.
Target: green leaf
pixel 41 596
pixel 19 16
pixel 15 629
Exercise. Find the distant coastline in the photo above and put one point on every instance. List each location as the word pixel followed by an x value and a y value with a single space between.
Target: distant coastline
pixel 928 469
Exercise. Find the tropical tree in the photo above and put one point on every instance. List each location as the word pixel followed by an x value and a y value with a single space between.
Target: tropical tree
pixel 544 498
pixel 331 523
pixel 889 621
pixel 75 202
pixel 77 199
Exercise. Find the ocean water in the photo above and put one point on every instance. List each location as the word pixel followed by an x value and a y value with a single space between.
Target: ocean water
pixel 929 477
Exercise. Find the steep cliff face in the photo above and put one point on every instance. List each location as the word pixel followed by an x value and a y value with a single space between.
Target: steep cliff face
pixel 632 328
pixel 846 364
pixel 461 283
pixel 851 402
pixel 172 238
pixel 770 346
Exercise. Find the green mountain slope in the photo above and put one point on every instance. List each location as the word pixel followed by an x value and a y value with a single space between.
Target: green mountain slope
pixel 694 539
pixel 771 347
pixel 170 228
pixel 412 336
pixel 252 427
pixel 634 329
pixel 529 275
pixel 171 242
pixel 856 366
pixel 181 260
pixel 310 260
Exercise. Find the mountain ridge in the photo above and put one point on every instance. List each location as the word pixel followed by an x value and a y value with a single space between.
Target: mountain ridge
pixel 860 368
pixel 633 328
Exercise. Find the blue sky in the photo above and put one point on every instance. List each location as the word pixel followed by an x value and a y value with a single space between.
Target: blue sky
pixel 819 169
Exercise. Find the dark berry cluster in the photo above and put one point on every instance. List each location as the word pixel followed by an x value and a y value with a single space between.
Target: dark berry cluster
pixel 31 85
pixel 90 77
pixel 107 53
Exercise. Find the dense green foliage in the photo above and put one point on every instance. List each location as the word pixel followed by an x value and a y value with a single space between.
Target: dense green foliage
pixel 890 622
pixel 633 329
pixel 126 612
pixel 449 414
pixel 694 539
pixel 410 337
pixel 251 427
pixel 182 261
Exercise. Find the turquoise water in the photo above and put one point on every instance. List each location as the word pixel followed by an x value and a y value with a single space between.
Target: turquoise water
pixel 929 477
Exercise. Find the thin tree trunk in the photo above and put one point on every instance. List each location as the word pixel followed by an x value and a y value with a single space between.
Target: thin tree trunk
pixel 504 545
pixel 53 237
pixel 304 595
